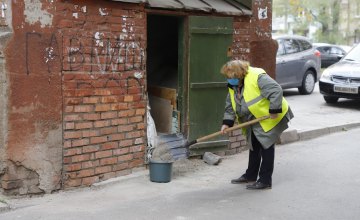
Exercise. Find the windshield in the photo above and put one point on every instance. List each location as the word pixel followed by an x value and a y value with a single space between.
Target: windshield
pixel 354 54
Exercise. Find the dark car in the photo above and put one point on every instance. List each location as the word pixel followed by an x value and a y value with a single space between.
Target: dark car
pixel 297 63
pixel 330 53
pixel 342 80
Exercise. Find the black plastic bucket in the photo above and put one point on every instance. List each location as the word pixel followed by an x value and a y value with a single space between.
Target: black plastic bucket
pixel 160 172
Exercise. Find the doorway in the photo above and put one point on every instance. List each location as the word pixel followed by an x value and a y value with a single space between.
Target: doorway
pixel 164 71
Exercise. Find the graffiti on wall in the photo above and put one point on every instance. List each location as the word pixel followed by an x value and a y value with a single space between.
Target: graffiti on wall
pixel 104 55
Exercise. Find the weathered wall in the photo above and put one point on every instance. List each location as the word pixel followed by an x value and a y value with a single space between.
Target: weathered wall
pixel 263 48
pixel 104 101
pixel 73 91
pixel 76 101
pixel 253 42
pixel 5 35
pixel 34 138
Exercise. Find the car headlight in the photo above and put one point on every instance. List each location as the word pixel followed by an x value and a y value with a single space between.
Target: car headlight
pixel 325 75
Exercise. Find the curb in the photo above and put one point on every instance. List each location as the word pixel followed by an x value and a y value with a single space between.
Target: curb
pixel 293 135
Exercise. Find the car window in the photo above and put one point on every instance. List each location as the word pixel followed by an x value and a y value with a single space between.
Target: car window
pixel 305 45
pixel 291 46
pixel 354 54
pixel 281 49
pixel 335 50
pixel 324 50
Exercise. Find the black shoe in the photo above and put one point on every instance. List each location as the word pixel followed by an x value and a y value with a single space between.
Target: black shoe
pixel 242 179
pixel 258 185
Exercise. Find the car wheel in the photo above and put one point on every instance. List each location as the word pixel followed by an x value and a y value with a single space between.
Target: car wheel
pixel 308 83
pixel 330 99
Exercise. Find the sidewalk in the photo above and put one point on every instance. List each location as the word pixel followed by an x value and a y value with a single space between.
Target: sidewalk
pixel 188 175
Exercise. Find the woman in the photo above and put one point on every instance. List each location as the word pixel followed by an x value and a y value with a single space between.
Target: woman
pixel 253 94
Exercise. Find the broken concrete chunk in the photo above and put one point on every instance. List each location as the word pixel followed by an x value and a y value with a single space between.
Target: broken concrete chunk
pixel 211 159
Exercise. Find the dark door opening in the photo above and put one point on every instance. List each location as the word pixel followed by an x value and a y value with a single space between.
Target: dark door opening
pixel 163 71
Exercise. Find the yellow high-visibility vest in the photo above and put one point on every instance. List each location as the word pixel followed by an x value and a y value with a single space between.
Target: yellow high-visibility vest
pixel 258 105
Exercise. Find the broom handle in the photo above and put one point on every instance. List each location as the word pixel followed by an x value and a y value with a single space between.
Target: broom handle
pixel 245 124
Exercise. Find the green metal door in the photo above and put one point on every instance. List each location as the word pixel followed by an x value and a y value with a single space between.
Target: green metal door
pixel 209 40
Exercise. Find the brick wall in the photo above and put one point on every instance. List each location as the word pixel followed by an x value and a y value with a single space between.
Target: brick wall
pixel 103 91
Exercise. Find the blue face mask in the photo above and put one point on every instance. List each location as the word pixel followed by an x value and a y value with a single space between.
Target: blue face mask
pixel 233 82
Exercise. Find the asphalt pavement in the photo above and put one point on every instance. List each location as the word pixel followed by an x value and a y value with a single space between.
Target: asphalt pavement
pixel 201 191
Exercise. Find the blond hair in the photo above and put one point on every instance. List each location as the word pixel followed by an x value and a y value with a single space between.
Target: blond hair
pixel 235 69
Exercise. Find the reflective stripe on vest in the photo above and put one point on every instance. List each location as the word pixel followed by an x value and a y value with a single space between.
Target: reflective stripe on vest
pixel 258 105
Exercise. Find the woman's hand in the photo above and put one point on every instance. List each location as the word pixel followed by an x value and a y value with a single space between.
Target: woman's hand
pixel 223 129
pixel 274 116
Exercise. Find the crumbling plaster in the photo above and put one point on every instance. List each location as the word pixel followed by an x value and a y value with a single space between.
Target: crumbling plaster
pixel 34 13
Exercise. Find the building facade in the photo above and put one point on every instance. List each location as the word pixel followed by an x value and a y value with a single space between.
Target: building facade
pixel 76 78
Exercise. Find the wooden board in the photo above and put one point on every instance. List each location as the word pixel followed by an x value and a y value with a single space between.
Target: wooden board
pixel 161 111
pixel 165 93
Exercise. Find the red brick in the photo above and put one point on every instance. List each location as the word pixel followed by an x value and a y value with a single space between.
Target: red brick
pixel 108 161
pixel 139 155
pixel 109 145
pixel 109 115
pixel 137 148
pixel 91 148
pixel 90 133
pixel 119 106
pixel 73 183
pixel 81 142
pixel 72 118
pixel 72 167
pixel 90 100
pixel 109 130
pixel 139 141
pixel 136 119
pixel 136 163
pixel 119 121
pixel 67 144
pixel 97 140
pixel 100 124
pixel 128 98
pixel 126 113
pixel 126 143
pixel 121 151
pixel 125 158
pixel 104 169
pixel 134 134
pixel 102 92
pixel 85 173
pixel 102 154
pixel 90 180
pixel 80 158
pixel 83 93
pixel 121 166
pixel 84 108
pixel 140 126
pixel 123 128
pixel 103 108
pixel 140 112
pixel 83 125
pixel 117 137
pixel 90 164
pixel 69 126
pixel 72 152
pixel 72 101
pixel 72 134
pixel 69 109
pixel 91 116
pixel 109 99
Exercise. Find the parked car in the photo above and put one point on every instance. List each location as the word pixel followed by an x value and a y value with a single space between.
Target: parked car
pixel 342 80
pixel 297 63
pixel 330 53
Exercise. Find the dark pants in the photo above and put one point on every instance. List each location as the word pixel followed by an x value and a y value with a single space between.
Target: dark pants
pixel 260 159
